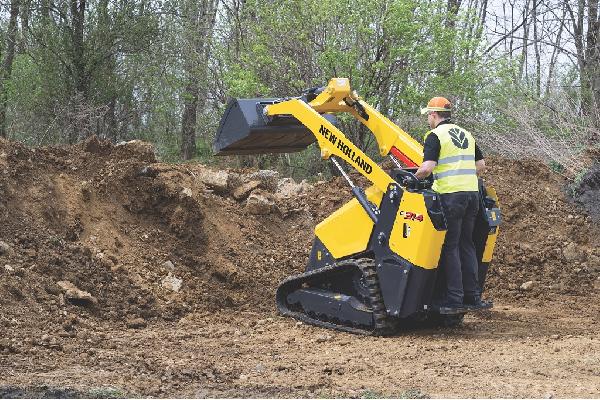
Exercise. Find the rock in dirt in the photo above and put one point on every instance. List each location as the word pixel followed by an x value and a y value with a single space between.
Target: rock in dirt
pixel 187 192
pixel 287 187
pixel 142 150
pixel 527 286
pixel 594 262
pixel 573 253
pixel 171 282
pixel 76 295
pixel 268 179
pixel 216 180
pixel 323 338
pixel 243 191
pixel 8 268
pixel 95 145
pixel 168 265
pixel 7 345
pixel 259 203
pixel 149 171
pixel 86 192
pixel 4 248
pixel 136 323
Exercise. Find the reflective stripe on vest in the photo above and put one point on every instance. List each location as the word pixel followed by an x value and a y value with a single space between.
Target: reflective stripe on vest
pixel 448 160
pixel 454 172
pixel 455 169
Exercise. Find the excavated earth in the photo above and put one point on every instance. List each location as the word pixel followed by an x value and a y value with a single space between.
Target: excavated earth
pixel 123 276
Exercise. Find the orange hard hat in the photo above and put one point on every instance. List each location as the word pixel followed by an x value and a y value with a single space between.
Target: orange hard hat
pixel 437 104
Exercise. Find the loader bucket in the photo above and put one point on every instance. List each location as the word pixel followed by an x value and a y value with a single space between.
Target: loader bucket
pixel 245 130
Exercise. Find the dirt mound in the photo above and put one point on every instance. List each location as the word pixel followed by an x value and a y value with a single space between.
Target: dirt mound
pixel 547 245
pixel 98 232
pixel 145 240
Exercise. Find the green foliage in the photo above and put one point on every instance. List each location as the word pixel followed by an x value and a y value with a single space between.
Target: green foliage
pixel 556 167
pixel 243 83
pixel 138 58
pixel 397 55
pixel 413 394
pixel 574 186
pixel 107 392
pixel 372 394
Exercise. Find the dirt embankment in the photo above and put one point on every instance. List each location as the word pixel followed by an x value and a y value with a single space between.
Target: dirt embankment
pixel 145 239
pixel 151 240
pixel 545 237
pixel 97 237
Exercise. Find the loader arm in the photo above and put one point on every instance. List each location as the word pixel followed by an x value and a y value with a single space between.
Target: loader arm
pixel 332 141
pixel 390 138
pixel 337 97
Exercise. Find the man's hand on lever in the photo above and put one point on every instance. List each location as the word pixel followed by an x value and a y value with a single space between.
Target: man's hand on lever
pixel 425 169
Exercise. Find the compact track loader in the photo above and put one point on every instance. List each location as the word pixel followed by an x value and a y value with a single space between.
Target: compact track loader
pixel 373 267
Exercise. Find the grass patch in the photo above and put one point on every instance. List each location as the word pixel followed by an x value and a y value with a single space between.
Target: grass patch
pixel 407 394
pixel 107 393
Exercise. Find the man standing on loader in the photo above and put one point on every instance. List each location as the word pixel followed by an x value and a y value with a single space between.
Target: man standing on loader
pixel 450 153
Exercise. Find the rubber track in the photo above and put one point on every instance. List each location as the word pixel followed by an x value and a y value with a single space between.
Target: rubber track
pixel 381 324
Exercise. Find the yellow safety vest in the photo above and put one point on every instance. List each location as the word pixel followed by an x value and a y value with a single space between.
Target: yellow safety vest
pixel 455 169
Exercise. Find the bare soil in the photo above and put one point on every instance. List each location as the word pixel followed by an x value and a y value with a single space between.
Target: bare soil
pixel 180 280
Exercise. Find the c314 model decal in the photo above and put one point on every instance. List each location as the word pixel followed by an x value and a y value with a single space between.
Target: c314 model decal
pixel 412 216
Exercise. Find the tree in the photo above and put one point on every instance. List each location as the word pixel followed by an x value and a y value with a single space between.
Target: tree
pixel 81 66
pixel 199 20
pixel 587 45
pixel 7 62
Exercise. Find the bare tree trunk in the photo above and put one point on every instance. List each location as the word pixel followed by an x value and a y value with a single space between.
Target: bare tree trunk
pixel 11 37
pixel 109 122
pixel 592 56
pixel 536 47
pixel 78 19
pixel 555 52
pixel 188 120
pixel 588 54
pixel 511 40
pixel 452 8
pixel 523 68
pixel 80 79
pixel 201 19
pixel 577 21
pixel 24 16
pixel 484 13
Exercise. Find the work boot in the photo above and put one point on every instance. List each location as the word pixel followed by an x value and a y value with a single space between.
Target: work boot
pixel 474 303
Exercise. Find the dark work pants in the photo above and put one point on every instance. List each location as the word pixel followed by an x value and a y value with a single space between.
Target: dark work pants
pixel 458 259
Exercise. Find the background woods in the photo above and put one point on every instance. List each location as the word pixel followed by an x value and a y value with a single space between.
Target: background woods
pixel 524 74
